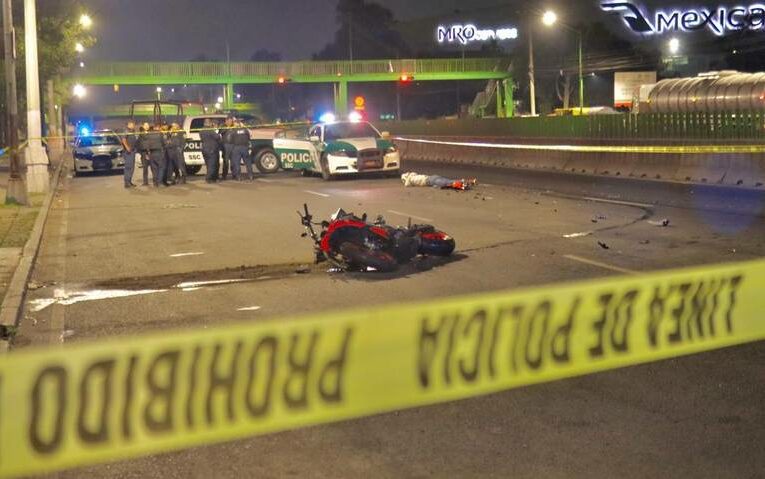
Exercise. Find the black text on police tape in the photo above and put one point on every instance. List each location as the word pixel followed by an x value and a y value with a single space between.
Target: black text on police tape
pixel 466 346
pixel 194 388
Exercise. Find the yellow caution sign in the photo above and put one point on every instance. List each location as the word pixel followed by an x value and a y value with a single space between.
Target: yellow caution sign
pixel 134 396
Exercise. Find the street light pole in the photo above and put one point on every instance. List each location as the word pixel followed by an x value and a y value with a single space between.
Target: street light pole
pixel 532 82
pixel 38 180
pixel 581 75
pixel 16 192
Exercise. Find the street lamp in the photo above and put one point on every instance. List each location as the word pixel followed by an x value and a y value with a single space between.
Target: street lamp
pixel 85 21
pixel 79 47
pixel 674 46
pixel 79 91
pixel 159 93
pixel 549 19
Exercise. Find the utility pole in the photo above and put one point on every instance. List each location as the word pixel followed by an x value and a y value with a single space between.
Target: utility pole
pixel 532 83
pixel 17 191
pixel 38 180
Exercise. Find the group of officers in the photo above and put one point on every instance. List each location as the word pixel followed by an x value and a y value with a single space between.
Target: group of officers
pixel 161 148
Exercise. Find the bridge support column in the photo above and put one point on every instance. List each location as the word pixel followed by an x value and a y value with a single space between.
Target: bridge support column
pixel 500 100
pixel 509 102
pixel 228 100
pixel 341 99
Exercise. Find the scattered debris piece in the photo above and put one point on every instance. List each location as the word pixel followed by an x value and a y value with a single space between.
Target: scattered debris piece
pixel 68 333
pixel 578 235
pixel 251 308
pixel 733 251
pixel 645 242
pixel 34 285
pixel 303 270
pixel 177 206
pixel 661 223
pixel 603 245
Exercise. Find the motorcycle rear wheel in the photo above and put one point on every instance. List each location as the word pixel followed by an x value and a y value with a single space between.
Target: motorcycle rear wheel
pixel 362 258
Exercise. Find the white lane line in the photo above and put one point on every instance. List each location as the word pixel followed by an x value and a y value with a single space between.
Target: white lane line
pixel 251 308
pixel 618 202
pixel 197 284
pixel 599 264
pixel 182 255
pixel 407 215
pixel 578 235
pixel 323 195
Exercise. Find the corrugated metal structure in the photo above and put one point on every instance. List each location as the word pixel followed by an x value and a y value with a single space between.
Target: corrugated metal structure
pixel 714 92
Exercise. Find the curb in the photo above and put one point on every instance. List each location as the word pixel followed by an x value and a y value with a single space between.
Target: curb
pixel 13 303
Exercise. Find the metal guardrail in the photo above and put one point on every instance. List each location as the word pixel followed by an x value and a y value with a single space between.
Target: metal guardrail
pixel 221 70
pixel 666 127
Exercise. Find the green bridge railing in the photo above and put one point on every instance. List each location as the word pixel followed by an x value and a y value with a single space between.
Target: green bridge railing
pixel 669 127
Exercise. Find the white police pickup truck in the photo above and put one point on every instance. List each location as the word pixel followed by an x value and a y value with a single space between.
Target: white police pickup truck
pixel 261 144
pixel 338 148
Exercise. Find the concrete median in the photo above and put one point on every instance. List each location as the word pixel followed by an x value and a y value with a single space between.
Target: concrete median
pixel 734 168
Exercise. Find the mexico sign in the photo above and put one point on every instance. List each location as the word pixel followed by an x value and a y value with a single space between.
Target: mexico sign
pixel 720 20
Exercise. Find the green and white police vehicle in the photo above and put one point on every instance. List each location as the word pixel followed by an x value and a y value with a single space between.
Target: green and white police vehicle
pixel 335 149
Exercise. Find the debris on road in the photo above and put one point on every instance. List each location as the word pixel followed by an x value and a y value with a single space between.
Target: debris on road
pixel 67 334
pixel 578 235
pixel 661 223
pixel 603 245
pixel 645 242
pixel 303 270
pixel 250 308
pixel 177 206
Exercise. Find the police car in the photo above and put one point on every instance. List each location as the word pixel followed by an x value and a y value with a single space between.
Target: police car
pixel 100 150
pixel 335 149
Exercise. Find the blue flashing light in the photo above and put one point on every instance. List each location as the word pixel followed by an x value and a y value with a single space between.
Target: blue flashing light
pixel 328 117
pixel 84 131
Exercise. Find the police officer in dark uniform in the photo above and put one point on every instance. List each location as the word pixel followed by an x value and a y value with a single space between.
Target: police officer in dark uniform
pixel 241 151
pixel 176 143
pixel 154 143
pixel 211 144
pixel 144 152
pixel 228 146
pixel 129 140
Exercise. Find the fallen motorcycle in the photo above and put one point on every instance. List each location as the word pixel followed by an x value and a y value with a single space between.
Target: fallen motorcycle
pixel 351 243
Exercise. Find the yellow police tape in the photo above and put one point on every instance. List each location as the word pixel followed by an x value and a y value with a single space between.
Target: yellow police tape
pixel 134 396
pixel 676 149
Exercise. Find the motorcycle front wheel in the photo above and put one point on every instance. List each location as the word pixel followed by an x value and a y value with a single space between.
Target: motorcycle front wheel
pixel 436 244
pixel 362 258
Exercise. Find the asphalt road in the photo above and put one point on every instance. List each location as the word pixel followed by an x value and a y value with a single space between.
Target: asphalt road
pixel 700 416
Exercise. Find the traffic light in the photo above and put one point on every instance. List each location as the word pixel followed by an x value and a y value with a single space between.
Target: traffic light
pixel 406 78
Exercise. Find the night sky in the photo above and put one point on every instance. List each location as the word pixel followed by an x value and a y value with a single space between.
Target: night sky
pixel 183 29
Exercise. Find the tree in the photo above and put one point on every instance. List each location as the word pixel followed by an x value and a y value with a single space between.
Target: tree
pixel 366 32
pixel 58 32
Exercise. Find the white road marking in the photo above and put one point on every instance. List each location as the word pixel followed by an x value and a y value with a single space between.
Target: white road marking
pixel 251 308
pixel 323 195
pixel 197 284
pixel 407 215
pixel 67 298
pixel 618 202
pixel 578 235
pixel 189 290
pixel 599 264
pixel 181 255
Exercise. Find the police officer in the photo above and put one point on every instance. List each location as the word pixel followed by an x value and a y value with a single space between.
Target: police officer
pixel 241 151
pixel 176 143
pixel 129 140
pixel 228 146
pixel 154 143
pixel 144 152
pixel 211 144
